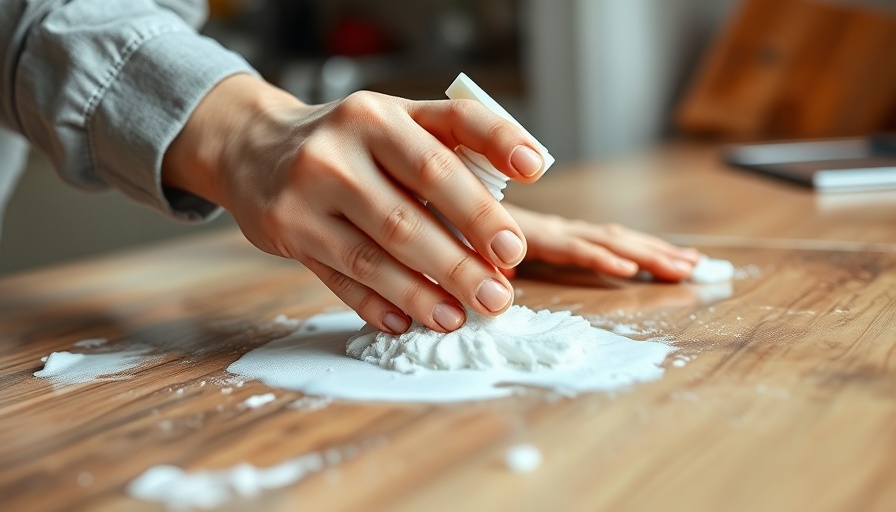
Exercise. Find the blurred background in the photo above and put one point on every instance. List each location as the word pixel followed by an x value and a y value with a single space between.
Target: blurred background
pixel 591 79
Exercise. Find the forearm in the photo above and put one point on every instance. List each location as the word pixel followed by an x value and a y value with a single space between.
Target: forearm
pixel 233 122
pixel 102 87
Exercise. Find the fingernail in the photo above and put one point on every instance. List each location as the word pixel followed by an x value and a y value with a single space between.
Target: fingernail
pixel 526 161
pixel 628 266
pixel 396 323
pixel 449 316
pixel 692 253
pixel 683 266
pixel 493 295
pixel 507 246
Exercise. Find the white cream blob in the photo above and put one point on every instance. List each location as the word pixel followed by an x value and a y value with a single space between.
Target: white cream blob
pixel 313 360
pixel 517 339
pixel 256 401
pixel 182 490
pixel 69 368
pixel 91 342
pixel 711 270
pixel 522 458
pixel 706 271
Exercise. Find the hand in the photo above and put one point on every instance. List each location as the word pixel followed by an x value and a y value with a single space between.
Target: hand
pixel 336 188
pixel 608 248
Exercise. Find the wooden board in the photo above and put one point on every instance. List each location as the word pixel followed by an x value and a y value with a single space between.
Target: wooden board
pixel 787 402
pixel 796 69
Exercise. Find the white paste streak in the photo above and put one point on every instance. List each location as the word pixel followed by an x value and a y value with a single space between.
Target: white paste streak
pixel 518 339
pixel 313 360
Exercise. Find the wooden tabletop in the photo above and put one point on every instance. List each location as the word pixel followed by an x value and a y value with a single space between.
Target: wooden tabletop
pixel 786 399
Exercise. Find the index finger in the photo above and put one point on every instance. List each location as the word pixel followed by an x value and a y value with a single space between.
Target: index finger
pixel 420 163
pixel 469 123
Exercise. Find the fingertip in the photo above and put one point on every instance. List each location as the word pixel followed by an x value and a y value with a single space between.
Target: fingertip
pixel 671 270
pixel 508 249
pixel 395 323
pixel 526 161
pixel 691 254
pixel 680 270
pixel 494 295
pixel 682 266
pixel 626 268
pixel 449 317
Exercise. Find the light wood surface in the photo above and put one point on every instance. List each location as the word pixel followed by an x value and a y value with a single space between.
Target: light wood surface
pixel 788 401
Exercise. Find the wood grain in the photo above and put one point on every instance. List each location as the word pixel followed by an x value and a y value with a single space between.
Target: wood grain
pixel 788 401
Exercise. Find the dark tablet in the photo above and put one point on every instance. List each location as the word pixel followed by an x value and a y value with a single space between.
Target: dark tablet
pixel 825 165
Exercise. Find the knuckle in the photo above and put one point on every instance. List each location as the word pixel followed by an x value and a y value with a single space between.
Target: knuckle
pixel 341 284
pixel 482 212
pixel 463 109
pixel 402 225
pixel 436 168
pixel 502 131
pixel 413 296
pixel 460 269
pixel 576 246
pixel 654 259
pixel 556 223
pixel 366 304
pixel 363 261
pixel 575 223
pixel 361 104
pixel 614 229
pixel 602 255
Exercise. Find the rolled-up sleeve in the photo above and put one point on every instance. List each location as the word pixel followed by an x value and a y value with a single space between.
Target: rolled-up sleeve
pixel 104 86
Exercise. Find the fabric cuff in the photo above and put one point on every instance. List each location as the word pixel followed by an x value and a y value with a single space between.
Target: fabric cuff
pixel 146 106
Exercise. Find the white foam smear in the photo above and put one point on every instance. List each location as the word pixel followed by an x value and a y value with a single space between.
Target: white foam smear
pixel 69 368
pixel 256 401
pixel 313 360
pixel 711 270
pixel 181 490
pixel 519 338
pixel 706 271
pixel 91 342
pixel 522 458
pixel 286 321
pixel 311 403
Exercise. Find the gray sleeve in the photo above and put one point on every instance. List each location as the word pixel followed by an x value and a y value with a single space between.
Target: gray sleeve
pixel 103 86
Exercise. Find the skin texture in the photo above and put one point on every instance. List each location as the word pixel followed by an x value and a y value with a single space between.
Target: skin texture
pixel 337 187
pixel 608 248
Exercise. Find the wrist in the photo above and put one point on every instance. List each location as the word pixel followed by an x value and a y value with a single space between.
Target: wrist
pixel 200 158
